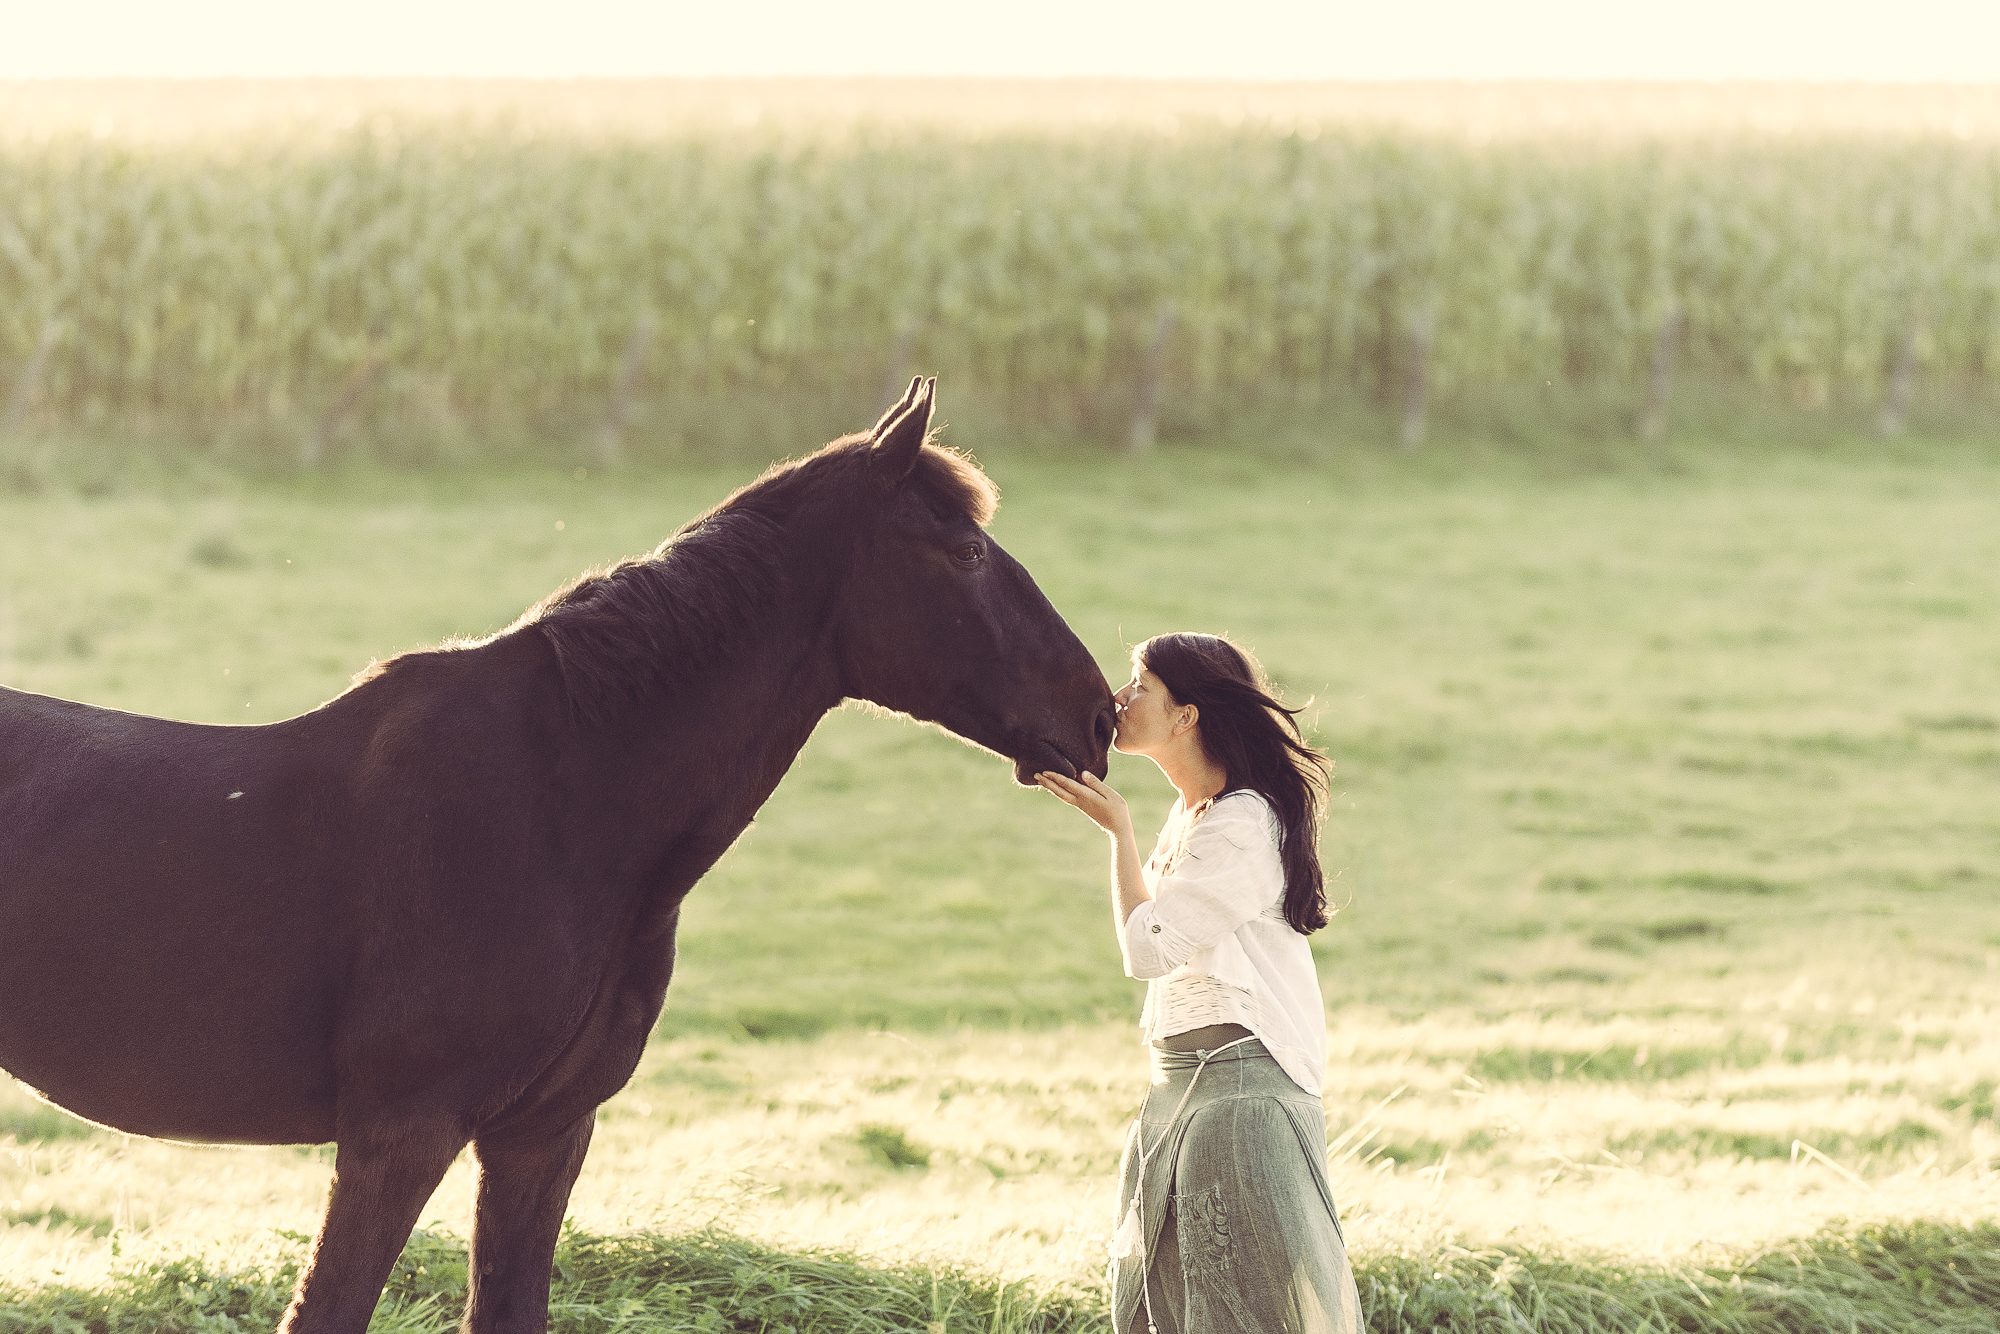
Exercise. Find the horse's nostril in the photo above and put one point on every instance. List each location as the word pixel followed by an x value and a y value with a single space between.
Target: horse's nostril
pixel 1106 727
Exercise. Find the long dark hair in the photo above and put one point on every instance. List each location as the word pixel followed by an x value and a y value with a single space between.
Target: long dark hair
pixel 1258 743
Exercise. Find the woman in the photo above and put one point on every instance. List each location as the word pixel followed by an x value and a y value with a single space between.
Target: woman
pixel 1225 1217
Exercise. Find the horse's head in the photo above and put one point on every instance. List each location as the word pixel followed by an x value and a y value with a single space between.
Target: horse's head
pixel 940 623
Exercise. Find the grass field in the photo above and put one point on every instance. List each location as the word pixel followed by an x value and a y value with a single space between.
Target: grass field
pixel 1665 829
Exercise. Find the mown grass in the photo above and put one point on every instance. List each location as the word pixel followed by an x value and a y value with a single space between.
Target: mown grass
pixel 1664 833
pixel 996 1150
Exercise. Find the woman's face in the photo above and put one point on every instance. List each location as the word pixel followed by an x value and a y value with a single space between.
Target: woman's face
pixel 1146 713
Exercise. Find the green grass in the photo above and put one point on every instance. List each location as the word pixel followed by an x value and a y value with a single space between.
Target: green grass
pixel 1916 1276
pixel 635 1282
pixel 1664 830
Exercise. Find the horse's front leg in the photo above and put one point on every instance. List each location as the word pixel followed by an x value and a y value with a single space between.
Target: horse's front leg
pixel 382 1177
pixel 524 1183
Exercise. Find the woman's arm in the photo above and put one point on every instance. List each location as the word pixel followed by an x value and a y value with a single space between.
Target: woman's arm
pixel 1228 873
pixel 1104 806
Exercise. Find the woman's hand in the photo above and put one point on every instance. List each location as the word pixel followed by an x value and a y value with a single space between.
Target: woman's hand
pixel 1094 798
pixel 1103 805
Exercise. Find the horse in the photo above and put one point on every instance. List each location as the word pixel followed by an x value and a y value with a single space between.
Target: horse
pixel 440 908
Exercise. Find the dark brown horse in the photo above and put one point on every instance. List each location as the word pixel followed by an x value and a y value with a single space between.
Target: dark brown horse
pixel 440 909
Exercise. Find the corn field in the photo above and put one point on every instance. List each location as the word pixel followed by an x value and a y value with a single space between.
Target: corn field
pixel 503 280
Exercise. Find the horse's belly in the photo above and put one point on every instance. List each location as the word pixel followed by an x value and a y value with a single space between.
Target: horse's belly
pixel 162 1072
pixel 164 1106
pixel 142 1006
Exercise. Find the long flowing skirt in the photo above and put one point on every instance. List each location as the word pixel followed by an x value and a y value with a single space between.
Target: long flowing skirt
pixel 1235 1230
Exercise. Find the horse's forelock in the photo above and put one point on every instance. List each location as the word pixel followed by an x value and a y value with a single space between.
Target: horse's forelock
pixel 951 481
pixel 956 482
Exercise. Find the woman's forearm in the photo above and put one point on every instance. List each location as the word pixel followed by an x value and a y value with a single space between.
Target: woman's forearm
pixel 1108 811
pixel 1128 887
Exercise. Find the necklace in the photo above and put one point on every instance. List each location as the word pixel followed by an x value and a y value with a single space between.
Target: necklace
pixel 1184 833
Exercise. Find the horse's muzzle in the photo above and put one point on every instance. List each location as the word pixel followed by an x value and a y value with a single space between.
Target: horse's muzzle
pixel 1046 756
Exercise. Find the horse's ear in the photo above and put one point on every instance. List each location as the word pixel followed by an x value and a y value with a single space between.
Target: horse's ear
pixel 899 436
pixel 896 409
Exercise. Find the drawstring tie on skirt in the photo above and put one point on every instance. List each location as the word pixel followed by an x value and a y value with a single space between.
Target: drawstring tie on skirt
pixel 1131 1236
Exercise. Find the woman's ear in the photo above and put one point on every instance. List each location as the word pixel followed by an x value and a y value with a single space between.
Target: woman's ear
pixel 1190 715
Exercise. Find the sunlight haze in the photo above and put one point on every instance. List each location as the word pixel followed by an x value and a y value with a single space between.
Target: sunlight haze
pixel 1920 40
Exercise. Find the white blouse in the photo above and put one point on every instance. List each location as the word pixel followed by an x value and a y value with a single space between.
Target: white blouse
pixel 1213 945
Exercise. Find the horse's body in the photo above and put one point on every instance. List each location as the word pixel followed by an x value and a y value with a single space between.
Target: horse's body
pixel 441 907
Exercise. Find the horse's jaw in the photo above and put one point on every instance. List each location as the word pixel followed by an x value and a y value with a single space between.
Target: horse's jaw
pixel 1042 758
pixel 1045 756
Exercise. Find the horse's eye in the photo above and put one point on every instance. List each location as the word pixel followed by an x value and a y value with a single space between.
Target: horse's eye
pixel 971 554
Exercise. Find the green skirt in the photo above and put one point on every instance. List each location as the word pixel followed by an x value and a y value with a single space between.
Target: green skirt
pixel 1226 1218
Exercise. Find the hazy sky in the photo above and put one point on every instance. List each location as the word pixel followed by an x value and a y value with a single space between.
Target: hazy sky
pixel 1231 39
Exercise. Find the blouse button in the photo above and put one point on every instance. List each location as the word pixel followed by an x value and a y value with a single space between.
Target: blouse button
pixel 1156 929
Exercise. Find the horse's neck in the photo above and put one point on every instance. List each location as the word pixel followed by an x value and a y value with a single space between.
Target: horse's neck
pixel 698 758
pixel 679 771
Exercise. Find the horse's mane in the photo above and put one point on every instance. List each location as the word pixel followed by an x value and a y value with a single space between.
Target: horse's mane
pixel 619 631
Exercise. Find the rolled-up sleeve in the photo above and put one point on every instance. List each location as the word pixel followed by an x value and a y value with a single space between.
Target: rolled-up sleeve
pixel 1230 874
